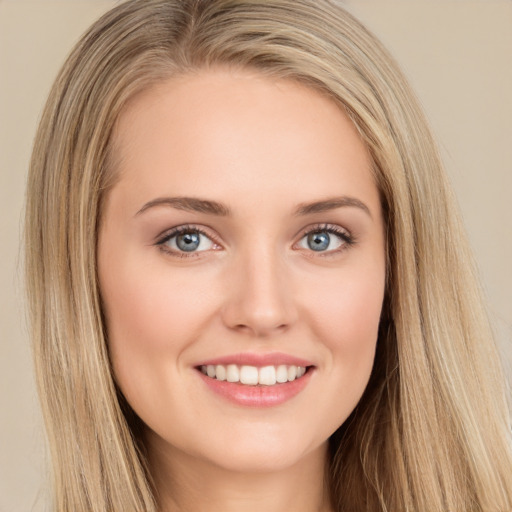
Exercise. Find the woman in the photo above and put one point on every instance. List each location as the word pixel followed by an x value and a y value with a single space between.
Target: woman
pixel 251 288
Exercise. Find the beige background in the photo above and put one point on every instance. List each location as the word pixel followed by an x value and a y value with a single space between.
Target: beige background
pixel 458 55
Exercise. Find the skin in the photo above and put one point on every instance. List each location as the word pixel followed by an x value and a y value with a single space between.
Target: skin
pixel 263 148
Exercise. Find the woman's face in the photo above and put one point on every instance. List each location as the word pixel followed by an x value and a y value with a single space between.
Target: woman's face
pixel 244 239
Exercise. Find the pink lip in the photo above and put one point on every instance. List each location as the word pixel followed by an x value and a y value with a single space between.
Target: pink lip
pixel 259 360
pixel 257 396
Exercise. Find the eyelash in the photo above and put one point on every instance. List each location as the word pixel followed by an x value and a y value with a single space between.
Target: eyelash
pixel 347 239
pixel 181 230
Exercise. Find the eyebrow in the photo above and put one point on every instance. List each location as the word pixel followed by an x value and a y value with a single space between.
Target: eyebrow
pixel 331 204
pixel 190 204
pixel 194 204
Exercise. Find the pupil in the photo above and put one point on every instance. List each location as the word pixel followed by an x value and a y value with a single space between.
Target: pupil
pixel 188 242
pixel 318 241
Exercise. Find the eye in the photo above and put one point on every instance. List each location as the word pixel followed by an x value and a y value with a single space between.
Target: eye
pixel 325 239
pixel 185 240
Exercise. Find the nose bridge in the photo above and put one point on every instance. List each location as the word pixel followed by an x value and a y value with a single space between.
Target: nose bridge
pixel 260 298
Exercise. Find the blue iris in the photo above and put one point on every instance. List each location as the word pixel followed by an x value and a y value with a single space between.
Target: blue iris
pixel 319 241
pixel 188 242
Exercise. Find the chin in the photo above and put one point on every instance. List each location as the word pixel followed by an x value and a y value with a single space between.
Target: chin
pixel 263 452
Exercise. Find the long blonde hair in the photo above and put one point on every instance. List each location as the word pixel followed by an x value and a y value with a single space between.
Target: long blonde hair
pixel 432 431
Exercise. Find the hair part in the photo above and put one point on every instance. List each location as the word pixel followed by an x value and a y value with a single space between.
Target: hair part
pixel 432 429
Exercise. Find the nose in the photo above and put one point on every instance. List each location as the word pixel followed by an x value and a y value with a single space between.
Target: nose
pixel 260 298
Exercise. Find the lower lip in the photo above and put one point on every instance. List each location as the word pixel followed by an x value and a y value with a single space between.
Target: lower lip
pixel 257 396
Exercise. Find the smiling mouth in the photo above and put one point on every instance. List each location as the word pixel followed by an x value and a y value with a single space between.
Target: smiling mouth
pixel 253 375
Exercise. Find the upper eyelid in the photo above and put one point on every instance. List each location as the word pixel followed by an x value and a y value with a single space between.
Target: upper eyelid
pixel 326 226
pixel 183 228
pixel 319 226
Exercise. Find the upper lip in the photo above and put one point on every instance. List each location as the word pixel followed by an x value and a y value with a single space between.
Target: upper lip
pixel 259 360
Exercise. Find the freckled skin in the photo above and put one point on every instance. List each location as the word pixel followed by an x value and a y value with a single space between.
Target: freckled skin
pixel 261 148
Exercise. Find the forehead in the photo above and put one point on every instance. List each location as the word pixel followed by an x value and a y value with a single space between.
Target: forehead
pixel 224 128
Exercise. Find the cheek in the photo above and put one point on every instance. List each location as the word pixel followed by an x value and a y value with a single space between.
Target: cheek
pixel 346 317
pixel 348 307
pixel 152 316
pixel 151 310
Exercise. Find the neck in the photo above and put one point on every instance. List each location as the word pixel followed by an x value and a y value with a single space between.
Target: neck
pixel 185 483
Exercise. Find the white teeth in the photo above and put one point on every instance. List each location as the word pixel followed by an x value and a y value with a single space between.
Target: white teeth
pixel 252 375
pixel 292 373
pixel 232 373
pixel 220 372
pixel 267 376
pixel 282 373
pixel 249 375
